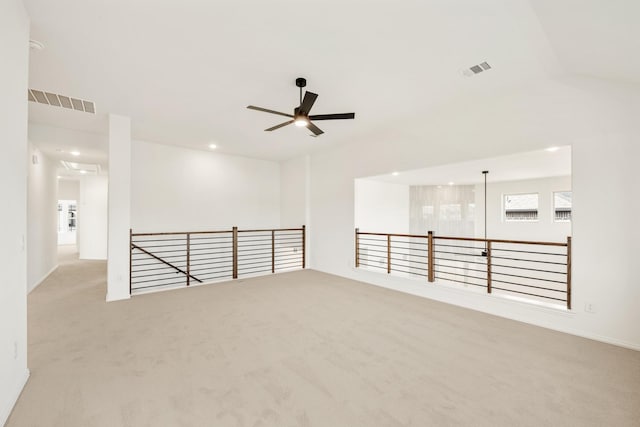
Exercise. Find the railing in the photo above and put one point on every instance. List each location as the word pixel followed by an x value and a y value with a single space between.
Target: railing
pixel 538 270
pixel 176 259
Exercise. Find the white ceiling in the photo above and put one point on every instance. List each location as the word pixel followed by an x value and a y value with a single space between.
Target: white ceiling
pixel 530 165
pixel 184 71
pixel 600 38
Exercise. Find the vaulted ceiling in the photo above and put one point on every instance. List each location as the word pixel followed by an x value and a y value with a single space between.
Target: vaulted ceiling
pixel 184 71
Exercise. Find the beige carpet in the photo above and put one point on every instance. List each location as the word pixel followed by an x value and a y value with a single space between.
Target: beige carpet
pixel 305 349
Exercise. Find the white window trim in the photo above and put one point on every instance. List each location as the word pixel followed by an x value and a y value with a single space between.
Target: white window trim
pixel 553 205
pixel 504 208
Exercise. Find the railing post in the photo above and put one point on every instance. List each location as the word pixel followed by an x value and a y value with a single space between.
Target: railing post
pixel 488 243
pixel 304 246
pixel 431 258
pixel 188 258
pixel 388 253
pixel 273 251
pixel 357 249
pixel 235 252
pixel 130 259
pixel 568 272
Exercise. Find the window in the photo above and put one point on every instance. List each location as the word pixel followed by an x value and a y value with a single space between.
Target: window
pixel 562 206
pixel 521 207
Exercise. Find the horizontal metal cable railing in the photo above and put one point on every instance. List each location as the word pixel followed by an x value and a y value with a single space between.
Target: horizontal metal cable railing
pixel 534 270
pixel 177 259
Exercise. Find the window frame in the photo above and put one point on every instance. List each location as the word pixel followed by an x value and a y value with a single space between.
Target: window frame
pixel 553 206
pixel 504 207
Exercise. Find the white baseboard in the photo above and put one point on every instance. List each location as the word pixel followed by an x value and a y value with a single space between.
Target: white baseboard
pixel 5 411
pixel 45 277
pixel 596 337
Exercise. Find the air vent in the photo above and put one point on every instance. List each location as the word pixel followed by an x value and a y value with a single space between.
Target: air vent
pixel 476 69
pixel 63 101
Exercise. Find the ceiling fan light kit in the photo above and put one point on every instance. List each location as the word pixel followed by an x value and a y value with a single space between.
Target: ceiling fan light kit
pixel 300 116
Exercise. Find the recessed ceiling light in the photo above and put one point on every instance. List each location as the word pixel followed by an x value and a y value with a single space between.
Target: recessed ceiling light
pixel 552 149
pixel 395 173
pixel 83 171
pixel 450 182
pixel 74 153
pixel 213 146
pixel 35 44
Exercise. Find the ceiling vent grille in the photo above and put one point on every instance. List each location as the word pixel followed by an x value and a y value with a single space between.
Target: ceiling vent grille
pixel 63 101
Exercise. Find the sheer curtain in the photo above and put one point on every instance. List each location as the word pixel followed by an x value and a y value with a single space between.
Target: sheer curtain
pixel 447 210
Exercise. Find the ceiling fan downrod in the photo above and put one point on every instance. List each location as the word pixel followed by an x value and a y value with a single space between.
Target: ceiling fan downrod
pixel 301 82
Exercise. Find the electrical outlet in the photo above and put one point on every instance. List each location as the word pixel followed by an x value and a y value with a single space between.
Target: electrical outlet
pixel 589 307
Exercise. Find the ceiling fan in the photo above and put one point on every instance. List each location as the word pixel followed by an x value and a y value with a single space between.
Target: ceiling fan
pixel 300 115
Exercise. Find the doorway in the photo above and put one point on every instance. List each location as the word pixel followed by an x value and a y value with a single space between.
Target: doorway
pixel 67 222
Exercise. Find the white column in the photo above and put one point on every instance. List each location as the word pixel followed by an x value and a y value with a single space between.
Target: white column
pixel 14 36
pixel 119 207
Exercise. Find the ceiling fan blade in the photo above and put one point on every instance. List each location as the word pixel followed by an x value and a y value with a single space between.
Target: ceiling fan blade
pixel 253 107
pixel 307 102
pixel 333 116
pixel 315 129
pixel 279 126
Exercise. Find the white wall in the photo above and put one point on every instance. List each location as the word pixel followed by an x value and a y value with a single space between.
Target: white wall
pixel 93 217
pixel 119 209
pixel 381 207
pixel 42 222
pixel 14 37
pixel 293 192
pixel 178 189
pixel 68 189
pixel 599 120
pixel 544 229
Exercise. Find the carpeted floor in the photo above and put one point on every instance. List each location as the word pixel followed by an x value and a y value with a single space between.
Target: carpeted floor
pixel 304 349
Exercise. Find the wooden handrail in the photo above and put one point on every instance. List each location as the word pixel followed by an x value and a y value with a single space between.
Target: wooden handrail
pixel 164 262
pixel 469 239
pixel 516 242
pixel 392 234
pixel 224 256
pixel 171 233
pixel 430 266
pixel 270 229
